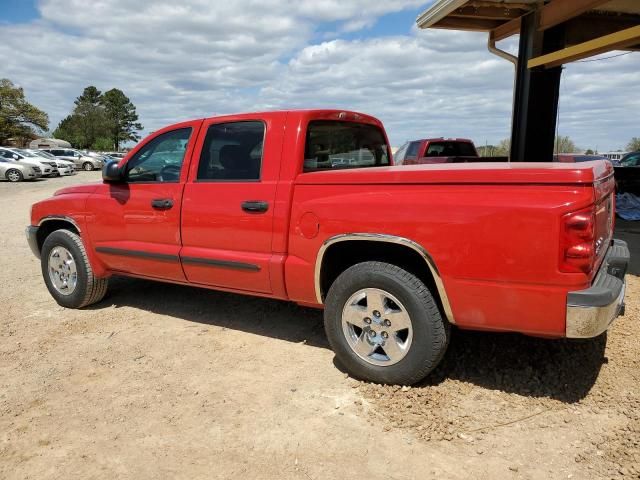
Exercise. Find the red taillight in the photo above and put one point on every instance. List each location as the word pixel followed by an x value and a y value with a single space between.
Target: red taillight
pixel 577 242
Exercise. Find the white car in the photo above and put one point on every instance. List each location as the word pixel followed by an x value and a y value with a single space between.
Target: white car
pixel 17 156
pixel 31 157
pixel 17 172
pixel 65 167
pixel 80 160
pixel 116 155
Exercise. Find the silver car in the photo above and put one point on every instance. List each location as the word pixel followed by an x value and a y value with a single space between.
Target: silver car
pixel 17 156
pixel 65 167
pixel 80 160
pixel 16 172
pixel 32 157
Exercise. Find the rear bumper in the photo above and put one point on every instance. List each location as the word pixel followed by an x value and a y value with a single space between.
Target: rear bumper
pixel 591 311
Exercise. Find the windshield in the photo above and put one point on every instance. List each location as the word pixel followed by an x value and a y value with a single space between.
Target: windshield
pixel 45 154
pixel 25 153
pixel 398 157
pixel 17 152
pixel 631 160
pixel 335 145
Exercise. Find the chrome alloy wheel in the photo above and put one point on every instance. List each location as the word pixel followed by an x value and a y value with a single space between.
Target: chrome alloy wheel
pixel 62 270
pixel 13 176
pixel 377 326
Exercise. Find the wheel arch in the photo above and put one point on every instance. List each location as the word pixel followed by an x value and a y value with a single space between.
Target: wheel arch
pixel 372 246
pixel 50 224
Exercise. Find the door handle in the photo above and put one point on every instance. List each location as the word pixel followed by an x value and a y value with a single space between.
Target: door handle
pixel 255 206
pixel 162 203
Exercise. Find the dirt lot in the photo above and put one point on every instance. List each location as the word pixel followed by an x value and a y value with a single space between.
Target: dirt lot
pixel 163 381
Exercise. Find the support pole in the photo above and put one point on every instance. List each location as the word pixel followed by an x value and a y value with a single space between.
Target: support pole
pixel 536 94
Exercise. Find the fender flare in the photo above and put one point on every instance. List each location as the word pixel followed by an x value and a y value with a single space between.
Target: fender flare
pixel 379 237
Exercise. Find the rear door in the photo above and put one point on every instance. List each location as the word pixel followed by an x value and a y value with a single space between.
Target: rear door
pixel 228 203
pixel 135 223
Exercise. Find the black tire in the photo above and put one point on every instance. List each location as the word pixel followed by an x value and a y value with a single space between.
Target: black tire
pixel 89 288
pixel 87 166
pixel 14 175
pixel 430 330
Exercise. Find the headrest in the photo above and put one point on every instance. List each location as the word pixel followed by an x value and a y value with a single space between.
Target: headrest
pixel 234 157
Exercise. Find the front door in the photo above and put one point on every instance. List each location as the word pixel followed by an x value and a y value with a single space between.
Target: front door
pixel 135 224
pixel 228 205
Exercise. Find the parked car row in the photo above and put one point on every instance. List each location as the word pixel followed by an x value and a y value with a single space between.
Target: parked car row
pixel 17 164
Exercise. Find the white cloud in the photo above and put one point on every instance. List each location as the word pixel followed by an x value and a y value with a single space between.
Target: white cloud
pixel 179 60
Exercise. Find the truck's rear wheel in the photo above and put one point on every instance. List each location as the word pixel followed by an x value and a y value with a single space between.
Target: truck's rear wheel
pixel 67 272
pixel 384 325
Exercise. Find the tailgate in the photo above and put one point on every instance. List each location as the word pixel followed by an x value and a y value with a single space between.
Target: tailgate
pixel 604 188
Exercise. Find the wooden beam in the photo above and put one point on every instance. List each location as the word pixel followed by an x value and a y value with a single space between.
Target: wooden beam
pixel 560 11
pixel 614 41
pixel 593 25
pixel 507 29
pixel 492 3
pixel 492 13
pixel 477 24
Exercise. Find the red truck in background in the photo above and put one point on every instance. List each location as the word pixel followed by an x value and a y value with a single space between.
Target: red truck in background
pixel 307 206
pixel 440 150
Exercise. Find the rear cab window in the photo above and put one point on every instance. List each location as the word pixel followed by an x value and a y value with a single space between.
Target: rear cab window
pixel 333 145
pixel 450 149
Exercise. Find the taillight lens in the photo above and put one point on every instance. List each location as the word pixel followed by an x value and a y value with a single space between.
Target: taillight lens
pixel 577 242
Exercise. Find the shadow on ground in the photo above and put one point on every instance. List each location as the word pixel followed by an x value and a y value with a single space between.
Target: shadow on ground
pixel 260 316
pixel 630 233
pixel 560 369
pixel 564 370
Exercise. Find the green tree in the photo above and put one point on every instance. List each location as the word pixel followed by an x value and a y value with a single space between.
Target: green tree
pixel 69 129
pixel 103 144
pixel 18 118
pixel 486 150
pixel 565 145
pixel 122 118
pixel 91 119
pixel 589 152
pixel 503 149
pixel 634 144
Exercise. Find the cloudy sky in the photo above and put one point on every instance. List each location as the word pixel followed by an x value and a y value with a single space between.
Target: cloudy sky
pixel 192 58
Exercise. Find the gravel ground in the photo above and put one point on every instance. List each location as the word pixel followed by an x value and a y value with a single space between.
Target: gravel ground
pixel 165 381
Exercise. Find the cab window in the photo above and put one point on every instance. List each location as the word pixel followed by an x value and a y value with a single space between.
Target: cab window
pixel 161 159
pixel 333 145
pixel 232 152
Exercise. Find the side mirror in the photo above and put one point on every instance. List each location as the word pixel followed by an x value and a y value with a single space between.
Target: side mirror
pixel 15 157
pixel 111 173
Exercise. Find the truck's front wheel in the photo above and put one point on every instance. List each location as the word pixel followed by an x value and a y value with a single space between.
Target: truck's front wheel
pixel 384 325
pixel 68 273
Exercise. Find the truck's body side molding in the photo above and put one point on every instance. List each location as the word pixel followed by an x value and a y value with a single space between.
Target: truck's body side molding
pixel 379 237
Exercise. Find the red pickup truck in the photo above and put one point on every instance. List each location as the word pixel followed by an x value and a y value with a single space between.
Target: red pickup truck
pixel 307 206
pixel 440 150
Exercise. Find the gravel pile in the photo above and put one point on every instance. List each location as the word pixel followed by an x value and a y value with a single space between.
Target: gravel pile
pixel 492 387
